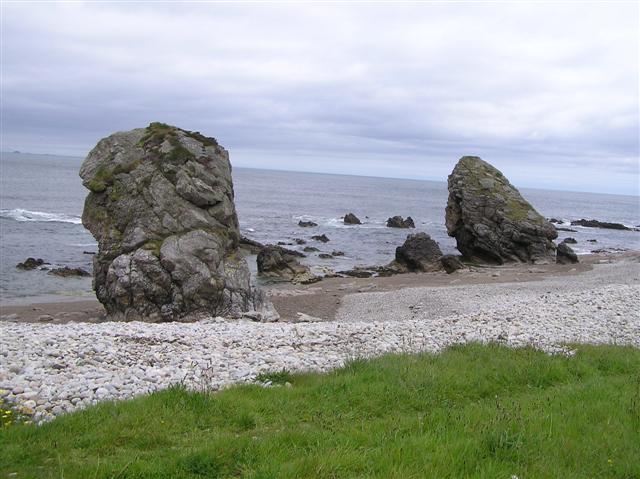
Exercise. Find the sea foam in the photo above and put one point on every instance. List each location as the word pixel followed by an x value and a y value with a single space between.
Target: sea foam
pixel 18 214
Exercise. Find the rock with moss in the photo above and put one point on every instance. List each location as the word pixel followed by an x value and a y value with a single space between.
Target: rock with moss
pixel 161 207
pixel 491 221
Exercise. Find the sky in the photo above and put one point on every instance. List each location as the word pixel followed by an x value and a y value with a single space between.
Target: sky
pixel 548 92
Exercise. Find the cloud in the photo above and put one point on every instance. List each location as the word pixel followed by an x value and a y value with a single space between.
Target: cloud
pixel 546 92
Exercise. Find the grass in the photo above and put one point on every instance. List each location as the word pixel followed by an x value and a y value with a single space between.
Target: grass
pixel 471 411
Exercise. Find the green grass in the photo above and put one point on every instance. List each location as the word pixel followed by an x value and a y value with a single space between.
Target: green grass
pixel 472 411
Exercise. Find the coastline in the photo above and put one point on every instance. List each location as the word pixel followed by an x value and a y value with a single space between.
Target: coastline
pixel 51 369
pixel 319 301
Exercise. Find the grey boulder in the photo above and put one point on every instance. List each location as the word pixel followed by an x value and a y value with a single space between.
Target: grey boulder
pixel 418 253
pixel 491 221
pixel 161 207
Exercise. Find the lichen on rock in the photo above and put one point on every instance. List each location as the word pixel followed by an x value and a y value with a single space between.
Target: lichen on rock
pixel 491 221
pixel 161 206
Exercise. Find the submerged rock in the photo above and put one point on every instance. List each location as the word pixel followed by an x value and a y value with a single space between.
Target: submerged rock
pixel 31 263
pixel 491 221
pixel 306 224
pixel 400 222
pixel 418 253
pixel 67 272
pixel 600 224
pixel 161 207
pixel 322 238
pixel 570 240
pixel 351 219
pixel 565 255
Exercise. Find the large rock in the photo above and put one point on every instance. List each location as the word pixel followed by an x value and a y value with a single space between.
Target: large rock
pixel 161 208
pixel 418 253
pixel 277 262
pixel 491 221
pixel 565 255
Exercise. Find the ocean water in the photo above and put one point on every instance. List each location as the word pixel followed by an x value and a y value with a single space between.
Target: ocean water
pixel 41 201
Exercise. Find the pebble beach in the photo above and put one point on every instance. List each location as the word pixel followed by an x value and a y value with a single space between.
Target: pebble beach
pixel 51 369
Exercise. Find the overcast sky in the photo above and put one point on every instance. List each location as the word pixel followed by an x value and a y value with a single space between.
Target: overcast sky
pixel 547 92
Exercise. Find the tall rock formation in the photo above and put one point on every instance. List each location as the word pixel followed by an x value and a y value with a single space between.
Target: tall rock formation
pixel 491 221
pixel 161 208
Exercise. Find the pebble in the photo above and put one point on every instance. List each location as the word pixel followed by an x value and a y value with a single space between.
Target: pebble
pixel 121 360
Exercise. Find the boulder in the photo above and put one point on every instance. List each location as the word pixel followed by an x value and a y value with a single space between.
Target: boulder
pixel 565 255
pixel 67 272
pixel 300 241
pixel 325 256
pixel 491 221
pixel 310 249
pixel 322 238
pixel 280 263
pixel 600 224
pixel 400 222
pixel 351 219
pixel 569 240
pixel 306 224
pixel 451 263
pixel 418 253
pixel 31 263
pixel 161 207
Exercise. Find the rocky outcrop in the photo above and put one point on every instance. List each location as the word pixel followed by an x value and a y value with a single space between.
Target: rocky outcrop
pixel 400 222
pixel 249 246
pixel 351 219
pixel 570 240
pixel 277 262
pixel 451 263
pixel 31 263
pixel 600 224
pixel 565 255
pixel 491 221
pixel 161 207
pixel 418 253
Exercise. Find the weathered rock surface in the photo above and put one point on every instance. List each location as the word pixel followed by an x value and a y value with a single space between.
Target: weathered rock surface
pixel 418 253
pixel 351 219
pixel 400 222
pixel 161 207
pixel 491 221
pixel 565 255
pixel 451 263
pixel 250 246
pixel 31 263
pixel 280 263
pixel 600 224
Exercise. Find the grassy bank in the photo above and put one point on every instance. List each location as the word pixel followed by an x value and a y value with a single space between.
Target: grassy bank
pixel 472 411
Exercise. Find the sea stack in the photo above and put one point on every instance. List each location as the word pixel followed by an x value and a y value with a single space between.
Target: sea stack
pixel 161 207
pixel 491 221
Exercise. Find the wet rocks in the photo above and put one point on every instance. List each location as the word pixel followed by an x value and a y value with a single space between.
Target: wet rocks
pixel 491 221
pixel 570 240
pixel 565 255
pixel 600 224
pixel 280 263
pixel 322 238
pixel 31 263
pixel 161 207
pixel 67 272
pixel 250 246
pixel 306 224
pixel 400 222
pixel 325 256
pixel 351 219
pixel 418 253
pixel 310 249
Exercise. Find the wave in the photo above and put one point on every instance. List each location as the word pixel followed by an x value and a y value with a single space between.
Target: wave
pixel 19 214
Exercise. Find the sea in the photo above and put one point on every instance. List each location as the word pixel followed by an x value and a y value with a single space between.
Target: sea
pixel 41 201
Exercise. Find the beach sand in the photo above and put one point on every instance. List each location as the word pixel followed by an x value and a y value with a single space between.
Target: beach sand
pixel 321 301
